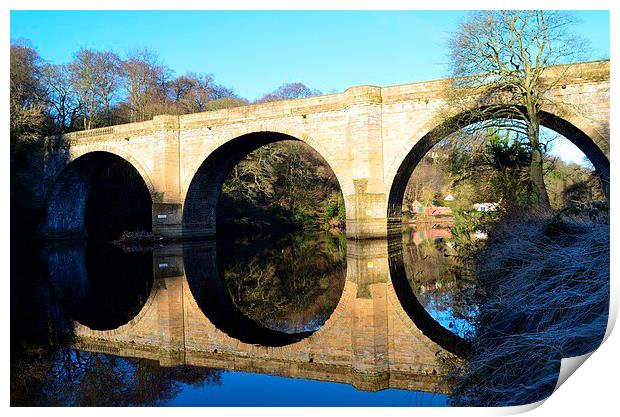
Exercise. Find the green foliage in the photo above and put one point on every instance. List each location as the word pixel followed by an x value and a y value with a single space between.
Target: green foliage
pixel 285 184
pixel 331 210
pixel 493 167
pixel 504 151
pixel 336 245
pixel 293 285
pixel 570 184
pixel 499 168
pixel 334 208
pixel 342 212
pixel 466 223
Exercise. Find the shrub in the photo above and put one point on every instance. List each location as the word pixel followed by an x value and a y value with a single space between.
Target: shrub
pixel 546 281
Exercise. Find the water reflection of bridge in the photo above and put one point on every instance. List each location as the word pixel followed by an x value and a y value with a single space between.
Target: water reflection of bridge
pixel 369 341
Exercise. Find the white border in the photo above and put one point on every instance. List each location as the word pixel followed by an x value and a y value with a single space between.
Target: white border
pixel 593 391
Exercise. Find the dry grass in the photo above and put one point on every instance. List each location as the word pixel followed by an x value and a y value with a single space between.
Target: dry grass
pixel 546 281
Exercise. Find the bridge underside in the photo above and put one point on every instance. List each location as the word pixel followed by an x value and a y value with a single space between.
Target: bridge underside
pixel 98 195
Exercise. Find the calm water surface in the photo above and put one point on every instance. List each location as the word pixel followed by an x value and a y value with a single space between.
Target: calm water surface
pixel 306 319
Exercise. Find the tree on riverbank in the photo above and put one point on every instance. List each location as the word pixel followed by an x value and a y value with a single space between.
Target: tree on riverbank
pixel 505 54
pixel 284 184
pixel 29 123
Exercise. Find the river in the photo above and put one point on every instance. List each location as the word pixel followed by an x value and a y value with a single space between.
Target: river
pixel 296 320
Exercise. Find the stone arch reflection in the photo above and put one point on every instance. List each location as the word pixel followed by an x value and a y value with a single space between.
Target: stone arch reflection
pixel 273 293
pixel 429 326
pixel 99 286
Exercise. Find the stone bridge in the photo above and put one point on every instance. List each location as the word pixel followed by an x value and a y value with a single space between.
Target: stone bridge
pixel 369 340
pixel 371 137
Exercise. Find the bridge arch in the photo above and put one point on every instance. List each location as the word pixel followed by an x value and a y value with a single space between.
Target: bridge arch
pixel 203 186
pixel 70 192
pixel 209 293
pixel 570 125
pixel 587 138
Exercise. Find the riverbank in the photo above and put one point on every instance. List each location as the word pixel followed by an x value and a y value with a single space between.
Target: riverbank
pixel 546 286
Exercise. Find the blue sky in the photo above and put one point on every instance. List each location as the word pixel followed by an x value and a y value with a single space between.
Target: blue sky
pixel 254 52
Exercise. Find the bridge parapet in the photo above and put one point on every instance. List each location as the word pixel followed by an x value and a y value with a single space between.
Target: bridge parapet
pixel 125 131
pixel 562 75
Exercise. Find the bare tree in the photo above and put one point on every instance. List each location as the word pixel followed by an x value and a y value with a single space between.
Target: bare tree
pixel 27 119
pixel 506 54
pixel 25 72
pixel 192 92
pixel 429 181
pixel 95 77
pixel 288 91
pixel 145 80
pixel 63 101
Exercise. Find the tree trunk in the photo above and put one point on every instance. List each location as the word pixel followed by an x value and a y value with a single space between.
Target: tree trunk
pixel 536 174
pixel 536 165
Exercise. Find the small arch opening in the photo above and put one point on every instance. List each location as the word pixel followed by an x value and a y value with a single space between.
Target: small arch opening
pixel 99 195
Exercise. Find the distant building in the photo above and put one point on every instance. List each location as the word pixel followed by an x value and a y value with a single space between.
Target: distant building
pixel 438 155
pixel 420 209
pixel 479 234
pixel 416 207
pixel 449 197
pixel 486 206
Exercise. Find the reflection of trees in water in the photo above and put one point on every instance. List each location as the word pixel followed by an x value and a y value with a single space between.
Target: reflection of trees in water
pixel 69 377
pixel 292 286
pixel 443 284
